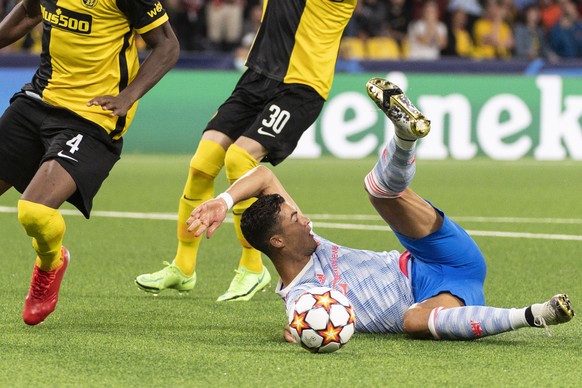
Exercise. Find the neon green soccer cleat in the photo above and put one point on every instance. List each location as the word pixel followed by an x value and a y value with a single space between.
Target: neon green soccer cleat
pixel 245 284
pixel 169 278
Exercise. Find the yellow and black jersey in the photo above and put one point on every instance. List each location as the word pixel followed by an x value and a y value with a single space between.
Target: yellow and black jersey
pixel 89 50
pixel 298 41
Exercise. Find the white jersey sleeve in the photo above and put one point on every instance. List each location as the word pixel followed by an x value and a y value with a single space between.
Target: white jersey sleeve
pixel 373 282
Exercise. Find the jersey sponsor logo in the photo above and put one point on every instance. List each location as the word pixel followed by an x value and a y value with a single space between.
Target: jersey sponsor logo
pixel 263 132
pixel 65 19
pixel 335 268
pixel 89 3
pixel 156 10
pixel 62 155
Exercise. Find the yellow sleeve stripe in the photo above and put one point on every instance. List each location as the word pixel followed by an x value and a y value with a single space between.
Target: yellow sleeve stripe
pixel 156 23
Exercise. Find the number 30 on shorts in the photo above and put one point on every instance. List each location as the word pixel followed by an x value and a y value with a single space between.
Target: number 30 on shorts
pixel 277 119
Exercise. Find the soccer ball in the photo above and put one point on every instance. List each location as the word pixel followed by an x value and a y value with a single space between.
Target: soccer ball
pixel 322 320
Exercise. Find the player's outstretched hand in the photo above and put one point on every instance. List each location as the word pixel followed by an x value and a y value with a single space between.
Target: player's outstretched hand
pixel 118 105
pixel 207 216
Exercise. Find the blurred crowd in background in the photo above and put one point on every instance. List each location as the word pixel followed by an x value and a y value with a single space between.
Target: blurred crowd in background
pixel 389 29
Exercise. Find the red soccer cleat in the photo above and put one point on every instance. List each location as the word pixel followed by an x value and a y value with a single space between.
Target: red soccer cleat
pixel 44 292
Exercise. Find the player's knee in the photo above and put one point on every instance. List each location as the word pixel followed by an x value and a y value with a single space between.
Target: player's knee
pixel 208 159
pixel 239 208
pixel 37 219
pixel 27 217
pixel 200 167
pixel 238 162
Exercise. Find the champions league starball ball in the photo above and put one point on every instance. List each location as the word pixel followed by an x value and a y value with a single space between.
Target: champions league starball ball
pixel 322 320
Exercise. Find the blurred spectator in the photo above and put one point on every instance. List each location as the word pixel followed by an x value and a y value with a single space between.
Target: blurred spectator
pixel 370 16
pixel 511 14
pixel 252 21
pixel 249 5
pixel 530 37
pixel 493 36
pixel 550 13
pixel 418 8
pixel 427 35
pixel 250 28
pixel 472 9
pixel 460 43
pixel 188 20
pixel 398 16
pixel 566 35
pixel 224 23
pixel 522 5
pixel 242 51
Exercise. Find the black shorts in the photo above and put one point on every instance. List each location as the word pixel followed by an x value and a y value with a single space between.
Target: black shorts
pixel 32 132
pixel 271 112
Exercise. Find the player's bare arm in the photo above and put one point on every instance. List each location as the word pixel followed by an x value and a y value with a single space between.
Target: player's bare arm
pixel 164 53
pixel 23 17
pixel 257 182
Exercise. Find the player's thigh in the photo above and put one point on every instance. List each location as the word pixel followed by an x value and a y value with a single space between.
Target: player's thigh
pixel 21 148
pixel 449 245
pixel 241 109
pixel 284 119
pixel 87 153
pixel 50 186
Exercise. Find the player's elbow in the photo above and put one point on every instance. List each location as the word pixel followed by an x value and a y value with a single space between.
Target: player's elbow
pixel 164 44
pixel 173 49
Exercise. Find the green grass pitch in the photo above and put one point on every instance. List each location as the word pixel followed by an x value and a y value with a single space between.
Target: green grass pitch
pixel 525 215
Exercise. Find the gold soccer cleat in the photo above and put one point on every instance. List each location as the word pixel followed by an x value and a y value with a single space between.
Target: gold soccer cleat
pixel 409 122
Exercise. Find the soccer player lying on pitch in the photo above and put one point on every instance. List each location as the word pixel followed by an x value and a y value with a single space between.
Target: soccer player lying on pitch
pixel 432 290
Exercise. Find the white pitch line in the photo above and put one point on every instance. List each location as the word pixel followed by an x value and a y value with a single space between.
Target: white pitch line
pixel 360 217
pixel 481 233
pixel 509 220
pixel 541 236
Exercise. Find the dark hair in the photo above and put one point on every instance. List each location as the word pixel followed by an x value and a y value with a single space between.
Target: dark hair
pixel 261 221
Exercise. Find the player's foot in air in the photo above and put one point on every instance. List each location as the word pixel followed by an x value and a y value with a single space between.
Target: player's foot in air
pixel 168 278
pixel 556 310
pixel 245 285
pixel 410 124
pixel 44 291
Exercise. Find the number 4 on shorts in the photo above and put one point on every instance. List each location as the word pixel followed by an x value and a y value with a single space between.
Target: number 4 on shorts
pixel 74 143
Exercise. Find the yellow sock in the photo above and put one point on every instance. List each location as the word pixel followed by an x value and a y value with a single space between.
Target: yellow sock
pixel 47 228
pixel 250 257
pixel 238 162
pixel 204 167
